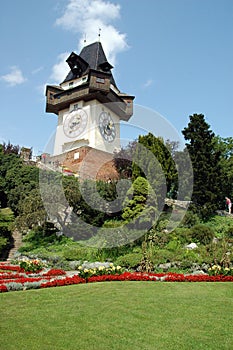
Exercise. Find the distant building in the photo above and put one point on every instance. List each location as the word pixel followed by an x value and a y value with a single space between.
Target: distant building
pixel 26 154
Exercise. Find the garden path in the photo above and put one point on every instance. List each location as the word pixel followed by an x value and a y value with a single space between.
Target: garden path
pixel 17 237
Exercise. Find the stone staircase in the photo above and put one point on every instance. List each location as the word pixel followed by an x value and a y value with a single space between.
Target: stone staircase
pixel 17 237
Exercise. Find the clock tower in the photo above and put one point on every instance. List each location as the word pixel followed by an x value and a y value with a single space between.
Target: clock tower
pixel 89 106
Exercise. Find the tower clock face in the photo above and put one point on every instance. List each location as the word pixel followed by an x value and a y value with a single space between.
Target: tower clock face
pixel 75 123
pixel 107 127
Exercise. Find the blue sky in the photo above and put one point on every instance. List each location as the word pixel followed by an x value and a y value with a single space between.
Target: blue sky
pixel 175 56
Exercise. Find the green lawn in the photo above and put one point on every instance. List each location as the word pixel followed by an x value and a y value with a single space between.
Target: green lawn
pixel 119 316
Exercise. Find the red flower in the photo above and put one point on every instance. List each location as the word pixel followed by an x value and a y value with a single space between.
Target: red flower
pixel 3 288
pixel 54 272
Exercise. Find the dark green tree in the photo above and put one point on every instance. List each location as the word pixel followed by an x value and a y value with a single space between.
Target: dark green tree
pixel 140 206
pixel 6 240
pixel 207 189
pixel 225 147
pixel 31 212
pixel 153 160
pixel 123 160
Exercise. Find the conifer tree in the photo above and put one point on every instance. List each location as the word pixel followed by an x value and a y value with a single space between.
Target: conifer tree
pixel 205 159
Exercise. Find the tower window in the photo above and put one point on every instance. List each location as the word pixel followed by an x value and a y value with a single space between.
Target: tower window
pixel 100 80
pixel 76 155
pixel 71 84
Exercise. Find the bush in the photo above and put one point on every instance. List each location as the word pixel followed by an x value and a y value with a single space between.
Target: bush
pixel 131 260
pixel 31 265
pixel 202 234
pixel 161 256
pixel 229 233
pixel 222 225
pixel 3 243
pixel 182 234
pixel 190 219
pixel 80 253
pixel 112 223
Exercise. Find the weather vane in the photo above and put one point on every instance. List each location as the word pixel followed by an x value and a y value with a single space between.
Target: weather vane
pixel 85 39
pixel 99 33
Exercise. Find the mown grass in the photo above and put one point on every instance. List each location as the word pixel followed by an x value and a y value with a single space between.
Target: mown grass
pixel 119 316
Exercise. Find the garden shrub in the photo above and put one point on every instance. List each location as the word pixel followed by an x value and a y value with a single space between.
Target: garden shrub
pixel 221 225
pixel 160 239
pixel 131 260
pixel 182 234
pixel 161 256
pixel 202 234
pixel 190 219
pixel 173 245
pixel 112 223
pixel 3 243
pixel 80 253
pixel 229 233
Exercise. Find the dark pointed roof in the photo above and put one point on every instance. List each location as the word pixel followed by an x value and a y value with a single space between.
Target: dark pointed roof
pixel 91 57
pixel 95 56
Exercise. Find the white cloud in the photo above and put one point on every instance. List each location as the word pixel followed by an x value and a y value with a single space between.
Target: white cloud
pixel 148 83
pixel 37 70
pixel 60 69
pixel 15 77
pixel 87 16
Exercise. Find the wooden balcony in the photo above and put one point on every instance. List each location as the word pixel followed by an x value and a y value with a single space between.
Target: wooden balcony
pixel 96 87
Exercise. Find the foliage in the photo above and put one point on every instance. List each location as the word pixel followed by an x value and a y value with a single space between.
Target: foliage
pixel 16 179
pixel 6 219
pixel 225 147
pixel 185 175
pixel 31 212
pixel 182 235
pixel 140 205
pixel 220 270
pixel 80 253
pixel 190 219
pixel 201 233
pixel 9 148
pixel 207 190
pixel 99 271
pixel 123 160
pixel 222 225
pixel 3 243
pixel 41 236
pixel 154 161
pixel 130 260
pixel 31 265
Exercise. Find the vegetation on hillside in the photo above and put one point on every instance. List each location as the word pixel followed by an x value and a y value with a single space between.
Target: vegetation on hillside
pixel 156 169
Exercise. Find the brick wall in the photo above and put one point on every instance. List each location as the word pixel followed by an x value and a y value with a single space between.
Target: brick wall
pixel 88 163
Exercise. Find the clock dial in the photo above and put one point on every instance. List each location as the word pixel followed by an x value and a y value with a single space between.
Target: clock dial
pixel 107 127
pixel 75 123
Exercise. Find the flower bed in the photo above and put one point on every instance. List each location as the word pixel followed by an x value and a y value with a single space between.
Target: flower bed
pixel 13 277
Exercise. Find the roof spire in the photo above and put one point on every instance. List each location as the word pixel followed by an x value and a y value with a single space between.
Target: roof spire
pixel 99 33
pixel 85 39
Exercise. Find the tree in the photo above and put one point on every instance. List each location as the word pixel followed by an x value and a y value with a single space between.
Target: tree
pixel 123 160
pixel 31 211
pixel 153 160
pixel 6 240
pixel 207 191
pixel 225 147
pixel 9 148
pixel 140 206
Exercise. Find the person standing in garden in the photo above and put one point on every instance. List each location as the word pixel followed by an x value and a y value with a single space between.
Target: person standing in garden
pixel 229 204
